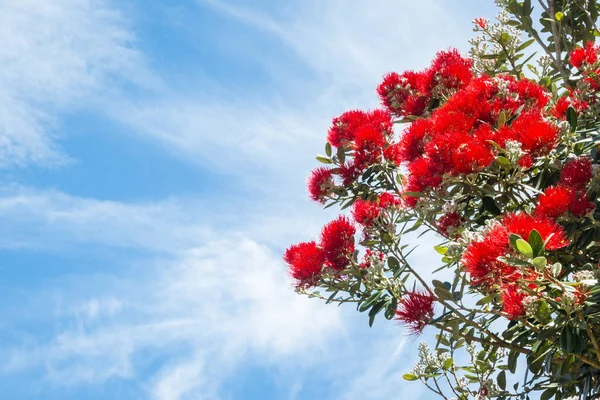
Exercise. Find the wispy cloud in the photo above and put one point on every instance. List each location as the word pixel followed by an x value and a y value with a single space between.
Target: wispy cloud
pixel 57 56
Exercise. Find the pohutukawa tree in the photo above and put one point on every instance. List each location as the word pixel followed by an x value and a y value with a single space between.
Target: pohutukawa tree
pixel 497 154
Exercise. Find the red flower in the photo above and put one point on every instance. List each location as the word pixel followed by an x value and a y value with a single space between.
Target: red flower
pixel 470 156
pixel 449 70
pixel 522 224
pixel 369 143
pixel 349 172
pixel 448 223
pixel 531 93
pixel 305 261
pixel 411 145
pixel 365 212
pixel 525 162
pixel 345 126
pixel 581 205
pixel 512 300
pixel 401 93
pixel 537 136
pixel 481 22
pixel 481 259
pixel 576 173
pixel 416 311
pixel 319 184
pixel 337 241
pixel 559 111
pixel 554 202
pixel 387 200
pixel 584 55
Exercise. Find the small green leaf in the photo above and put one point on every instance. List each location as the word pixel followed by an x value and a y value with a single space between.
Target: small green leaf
pixel 443 294
pixel 324 160
pixel 393 263
pixel 410 377
pixel 441 249
pixel 524 248
pixel 341 154
pixel 448 364
pixel 540 262
pixel 501 119
pixel 512 361
pixel 536 242
pixel 370 301
pixel 502 380
pixel 328 149
pixel 572 118
pixel 503 162
pixel 513 239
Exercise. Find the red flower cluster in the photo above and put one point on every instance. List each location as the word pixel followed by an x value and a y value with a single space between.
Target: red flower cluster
pixel 307 259
pixel 556 201
pixel 583 56
pixel 320 182
pixel 559 111
pixel 481 257
pixel 512 302
pixel 370 256
pixel 481 22
pixel 448 223
pixel 365 212
pixel 416 310
pixel 337 241
pixel 410 93
pixel 367 133
pixel 576 173
pixel 455 139
pixel 570 194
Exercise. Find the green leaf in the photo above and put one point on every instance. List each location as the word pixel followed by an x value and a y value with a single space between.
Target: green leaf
pixel 375 310
pixel 543 312
pixel 448 364
pixel 341 154
pixel 328 149
pixel 536 242
pixel 512 361
pixel 540 262
pixel 548 393
pixel 572 118
pixel 393 263
pixel 443 294
pixel 501 119
pixel 525 45
pixel 370 301
pixel 503 162
pixel 410 377
pixel 441 249
pixel 524 248
pixel 390 310
pixel 513 239
pixel 324 160
pixel 502 380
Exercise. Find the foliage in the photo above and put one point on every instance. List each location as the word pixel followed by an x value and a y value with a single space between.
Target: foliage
pixel 497 154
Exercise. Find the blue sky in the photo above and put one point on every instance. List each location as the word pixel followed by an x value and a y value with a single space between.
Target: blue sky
pixel 153 157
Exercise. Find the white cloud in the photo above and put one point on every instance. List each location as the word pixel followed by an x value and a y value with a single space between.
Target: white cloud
pixel 56 56
pixel 54 220
pixel 345 45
